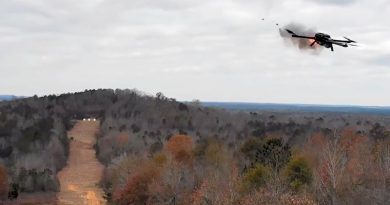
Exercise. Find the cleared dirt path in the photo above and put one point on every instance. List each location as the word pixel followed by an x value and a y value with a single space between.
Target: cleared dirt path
pixel 80 177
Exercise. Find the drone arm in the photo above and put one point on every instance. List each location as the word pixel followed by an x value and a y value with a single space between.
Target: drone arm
pixel 297 36
pixel 307 37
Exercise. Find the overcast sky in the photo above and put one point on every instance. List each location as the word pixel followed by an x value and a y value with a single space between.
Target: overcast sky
pixel 215 50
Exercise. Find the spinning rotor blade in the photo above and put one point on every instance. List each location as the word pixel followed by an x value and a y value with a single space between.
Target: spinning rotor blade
pixel 352 41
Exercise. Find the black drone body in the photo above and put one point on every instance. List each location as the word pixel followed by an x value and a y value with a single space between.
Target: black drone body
pixel 324 40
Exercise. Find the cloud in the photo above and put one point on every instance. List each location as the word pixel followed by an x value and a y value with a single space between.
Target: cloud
pixel 334 2
pixel 186 47
pixel 383 60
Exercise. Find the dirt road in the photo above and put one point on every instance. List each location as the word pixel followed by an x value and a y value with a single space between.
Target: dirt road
pixel 80 177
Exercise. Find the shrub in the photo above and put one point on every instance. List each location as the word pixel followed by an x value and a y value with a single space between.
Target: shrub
pixel 255 177
pixel 250 147
pixel 274 154
pixel 298 173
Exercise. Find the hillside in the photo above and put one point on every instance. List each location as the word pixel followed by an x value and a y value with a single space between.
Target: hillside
pixel 140 134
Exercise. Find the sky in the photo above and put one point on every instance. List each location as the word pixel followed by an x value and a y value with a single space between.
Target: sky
pixel 216 50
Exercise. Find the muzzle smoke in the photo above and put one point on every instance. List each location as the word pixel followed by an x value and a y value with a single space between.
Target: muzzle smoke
pixel 301 43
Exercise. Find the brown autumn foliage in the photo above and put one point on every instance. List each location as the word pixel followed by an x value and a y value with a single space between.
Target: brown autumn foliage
pixel 259 197
pixel 180 146
pixel 136 190
pixel 161 179
pixel 357 148
pixel 381 169
pixel 176 178
pixel 3 183
pixel 218 188
pixel 264 197
pixel 122 139
pixel 174 184
pixel 288 199
pixel 341 162
pixel 178 143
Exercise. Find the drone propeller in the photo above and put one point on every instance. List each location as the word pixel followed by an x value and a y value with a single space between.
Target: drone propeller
pixel 352 41
pixel 312 44
pixel 353 45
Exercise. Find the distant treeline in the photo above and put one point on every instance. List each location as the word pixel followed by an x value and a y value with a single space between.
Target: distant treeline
pixel 342 109
pixel 8 97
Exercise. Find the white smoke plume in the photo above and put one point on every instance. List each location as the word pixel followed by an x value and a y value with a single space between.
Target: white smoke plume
pixel 301 43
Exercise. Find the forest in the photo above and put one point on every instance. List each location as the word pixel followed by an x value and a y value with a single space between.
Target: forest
pixel 157 150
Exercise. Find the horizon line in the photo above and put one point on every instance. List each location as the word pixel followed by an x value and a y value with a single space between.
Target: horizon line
pixel 300 104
